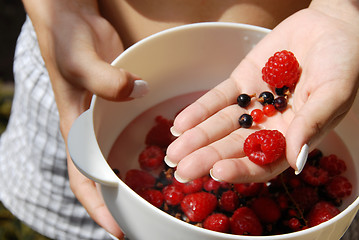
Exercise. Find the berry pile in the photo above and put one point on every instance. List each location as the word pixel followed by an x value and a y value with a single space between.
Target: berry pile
pixel 285 204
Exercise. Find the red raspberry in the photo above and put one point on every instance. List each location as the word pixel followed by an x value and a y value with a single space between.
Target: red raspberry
pixel 321 212
pixel 151 158
pixel 314 176
pixel 245 222
pixel 282 69
pixel 264 146
pixel 173 195
pixel 138 179
pixel 153 196
pixel 248 189
pixel 211 185
pixel 190 187
pixel 339 187
pixel 160 134
pixel 217 222
pixel 266 209
pixel 333 165
pixel 305 197
pixel 197 206
pixel 229 201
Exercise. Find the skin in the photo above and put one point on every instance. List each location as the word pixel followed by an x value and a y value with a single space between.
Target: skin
pixel 74 35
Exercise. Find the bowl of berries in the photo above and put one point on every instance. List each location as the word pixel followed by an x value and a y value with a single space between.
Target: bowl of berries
pixel 122 145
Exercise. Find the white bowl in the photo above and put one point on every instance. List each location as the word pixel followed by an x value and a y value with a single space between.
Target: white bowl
pixel 175 62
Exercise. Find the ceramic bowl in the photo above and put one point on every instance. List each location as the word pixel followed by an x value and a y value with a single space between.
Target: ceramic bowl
pixel 182 61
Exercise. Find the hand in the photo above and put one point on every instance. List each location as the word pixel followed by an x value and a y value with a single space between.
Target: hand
pixel 77 44
pixel 211 140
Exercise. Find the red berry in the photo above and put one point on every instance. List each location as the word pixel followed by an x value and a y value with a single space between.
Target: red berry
pixel 321 212
pixel 229 201
pixel 266 209
pixel 151 158
pixel 245 222
pixel 160 134
pixel 217 222
pixel 173 195
pixel 190 187
pixel 211 185
pixel 248 189
pixel 197 206
pixel 138 179
pixel 314 176
pixel 282 69
pixel 294 224
pixel 269 110
pixel 305 197
pixel 257 115
pixel 264 146
pixel 153 196
pixel 333 165
pixel 339 187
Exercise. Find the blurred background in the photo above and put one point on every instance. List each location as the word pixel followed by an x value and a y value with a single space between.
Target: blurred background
pixel 12 16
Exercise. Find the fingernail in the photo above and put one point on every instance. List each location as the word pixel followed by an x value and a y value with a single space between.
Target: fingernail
pixel 179 179
pixel 213 177
pixel 140 88
pixel 174 132
pixel 112 236
pixel 302 158
pixel 169 163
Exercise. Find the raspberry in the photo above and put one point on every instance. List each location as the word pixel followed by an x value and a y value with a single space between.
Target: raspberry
pixel 160 134
pixel 305 197
pixel 282 69
pixel 173 195
pixel 190 187
pixel 211 185
pixel 339 187
pixel 138 179
pixel 217 222
pixel 264 146
pixel 197 206
pixel 245 222
pixel 333 165
pixel 321 212
pixel 151 158
pixel 314 176
pixel 266 209
pixel 248 189
pixel 229 201
pixel 153 196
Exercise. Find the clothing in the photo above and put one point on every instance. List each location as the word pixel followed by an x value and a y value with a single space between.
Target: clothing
pixel 33 170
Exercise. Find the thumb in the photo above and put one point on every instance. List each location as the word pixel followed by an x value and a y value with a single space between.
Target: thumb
pixel 319 113
pixel 107 81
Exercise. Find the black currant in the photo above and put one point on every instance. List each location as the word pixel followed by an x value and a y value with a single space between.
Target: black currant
pixel 284 91
pixel 266 98
pixel 245 120
pixel 243 100
pixel 280 103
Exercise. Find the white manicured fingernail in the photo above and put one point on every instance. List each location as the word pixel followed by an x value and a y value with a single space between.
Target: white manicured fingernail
pixel 174 132
pixel 302 158
pixel 213 177
pixel 169 163
pixel 112 236
pixel 179 179
pixel 140 88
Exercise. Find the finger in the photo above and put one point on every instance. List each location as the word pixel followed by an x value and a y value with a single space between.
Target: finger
pixel 319 113
pixel 198 163
pixel 86 192
pixel 207 132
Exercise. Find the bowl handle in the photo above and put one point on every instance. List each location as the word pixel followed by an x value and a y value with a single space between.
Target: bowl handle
pixel 85 152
